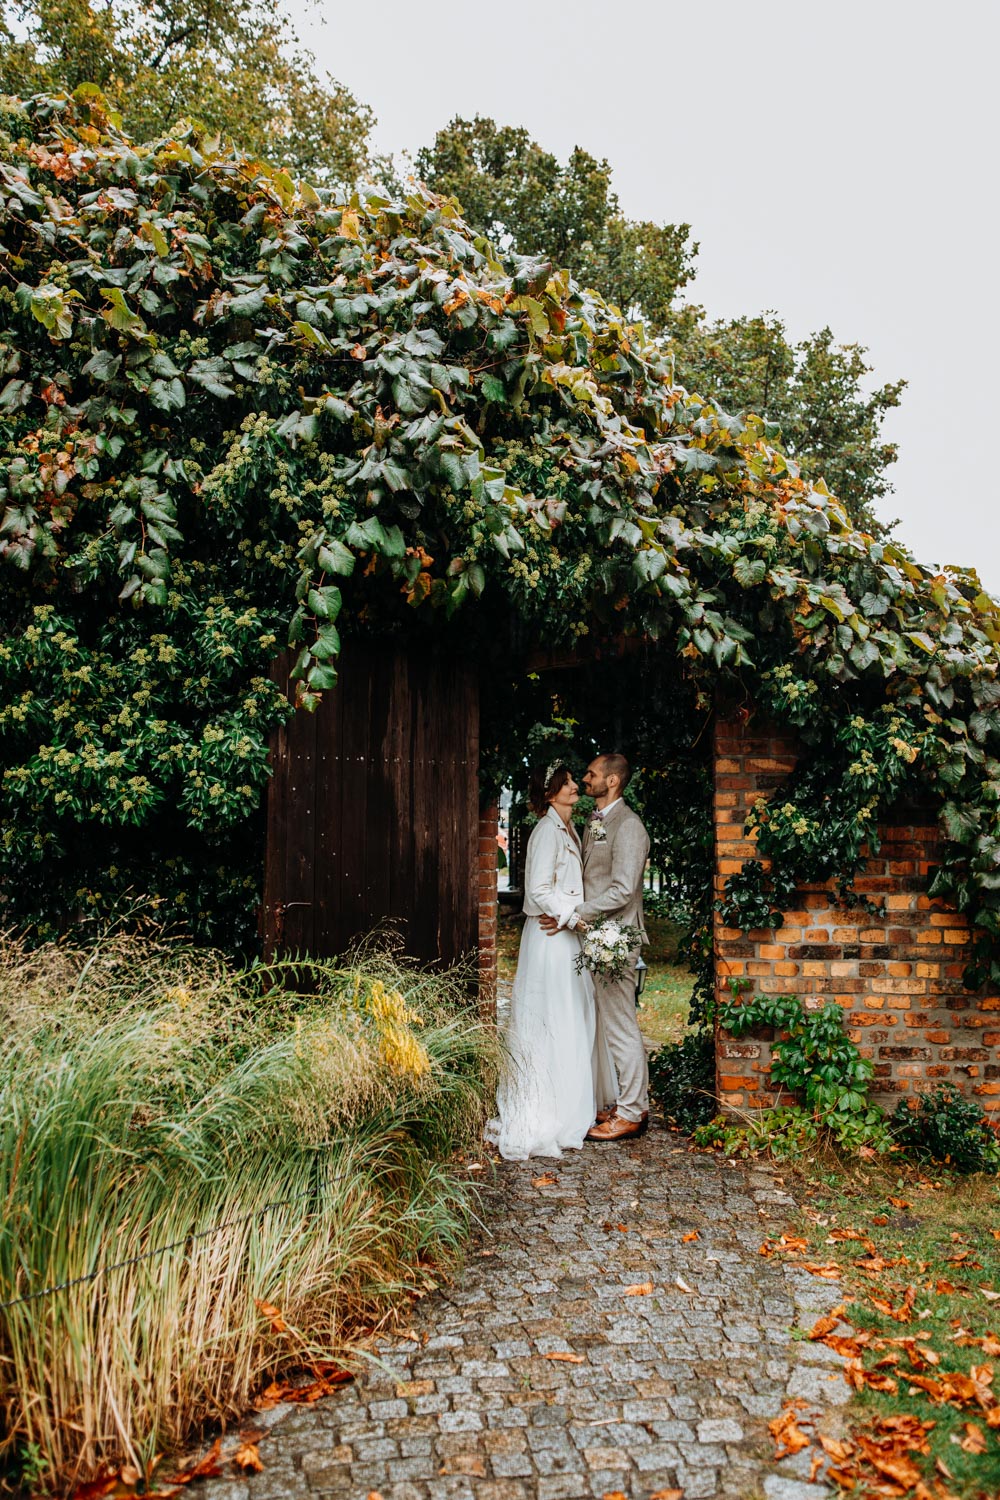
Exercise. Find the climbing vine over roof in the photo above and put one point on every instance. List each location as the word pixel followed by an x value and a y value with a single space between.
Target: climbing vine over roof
pixel 235 413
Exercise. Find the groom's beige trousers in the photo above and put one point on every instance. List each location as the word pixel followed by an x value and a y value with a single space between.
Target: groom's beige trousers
pixel 616 1010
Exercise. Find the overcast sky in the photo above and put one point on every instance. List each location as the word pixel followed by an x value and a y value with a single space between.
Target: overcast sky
pixel 837 164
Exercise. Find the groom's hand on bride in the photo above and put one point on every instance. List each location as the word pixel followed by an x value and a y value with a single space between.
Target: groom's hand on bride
pixel 549 925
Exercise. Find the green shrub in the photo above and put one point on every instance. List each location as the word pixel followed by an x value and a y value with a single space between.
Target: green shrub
pixel 682 1081
pixel 948 1128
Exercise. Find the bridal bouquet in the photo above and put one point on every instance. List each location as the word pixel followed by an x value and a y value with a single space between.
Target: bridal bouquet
pixel 608 948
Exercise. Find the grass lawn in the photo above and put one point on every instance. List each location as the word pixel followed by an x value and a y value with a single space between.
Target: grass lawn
pixel 664 1010
pixel 917 1254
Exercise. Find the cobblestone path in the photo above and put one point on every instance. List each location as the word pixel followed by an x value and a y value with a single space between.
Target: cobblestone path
pixel 670 1389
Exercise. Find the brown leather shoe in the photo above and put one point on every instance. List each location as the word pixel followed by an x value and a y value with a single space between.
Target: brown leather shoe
pixel 604 1115
pixel 617 1129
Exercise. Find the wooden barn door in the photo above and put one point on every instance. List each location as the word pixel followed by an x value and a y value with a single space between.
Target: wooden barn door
pixel 373 809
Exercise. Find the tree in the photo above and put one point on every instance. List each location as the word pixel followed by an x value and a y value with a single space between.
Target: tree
pixel 235 67
pixel 520 194
pixel 814 391
pixel 523 198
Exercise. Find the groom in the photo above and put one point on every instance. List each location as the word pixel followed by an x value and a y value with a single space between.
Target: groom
pixel 615 849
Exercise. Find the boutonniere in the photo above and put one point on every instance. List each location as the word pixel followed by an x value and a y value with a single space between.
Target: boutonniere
pixel 598 832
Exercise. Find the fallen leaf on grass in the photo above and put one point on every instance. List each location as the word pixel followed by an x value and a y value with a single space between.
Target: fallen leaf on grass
pixel 989 1294
pixel 788 1435
pixel 641 1289
pixel 566 1357
pixel 687 1238
pixel 974 1440
pixel 546 1180
pixel 900 1202
pixel 247 1457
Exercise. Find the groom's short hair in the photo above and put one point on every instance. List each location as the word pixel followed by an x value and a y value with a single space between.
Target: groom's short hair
pixel 615 764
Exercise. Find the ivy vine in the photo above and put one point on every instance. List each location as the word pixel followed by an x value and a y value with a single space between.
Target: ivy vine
pixel 235 412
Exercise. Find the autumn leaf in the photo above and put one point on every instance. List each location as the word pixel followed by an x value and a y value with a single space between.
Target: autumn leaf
pixel 667 1495
pixel 826 1324
pixel 828 1271
pixel 566 1357
pixel 640 1289
pixel 835 1449
pixel 546 1180
pixel 687 1238
pixel 788 1435
pixel 900 1202
pixel 974 1440
pixel 268 1310
pixel 248 1457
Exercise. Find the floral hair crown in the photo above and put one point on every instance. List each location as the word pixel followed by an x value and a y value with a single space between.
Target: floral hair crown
pixel 551 770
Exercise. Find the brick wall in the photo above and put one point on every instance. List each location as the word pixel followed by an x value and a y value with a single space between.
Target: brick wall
pixel 487 877
pixel 898 975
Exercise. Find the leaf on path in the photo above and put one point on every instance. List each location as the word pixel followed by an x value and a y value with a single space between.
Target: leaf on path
pixel 828 1270
pixel 667 1495
pixel 640 1289
pixel 827 1323
pixel 208 1467
pixel 546 1180
pixel 327 1379
pixel 248 1457
pixel 835 1449
pixel 788 1435
pixel 687 1238
pixel 815 1464
pixel 683 1286
pixel 566 1357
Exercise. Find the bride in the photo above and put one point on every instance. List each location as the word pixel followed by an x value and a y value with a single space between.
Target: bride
pixel 558 1070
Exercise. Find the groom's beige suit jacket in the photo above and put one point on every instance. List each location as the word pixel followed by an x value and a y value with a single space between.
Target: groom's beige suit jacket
pixel 614 868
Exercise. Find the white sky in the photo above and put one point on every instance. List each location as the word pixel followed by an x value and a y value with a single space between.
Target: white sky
pixel 836 164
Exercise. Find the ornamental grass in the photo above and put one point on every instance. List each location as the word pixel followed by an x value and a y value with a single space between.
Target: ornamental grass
pixel 180 1143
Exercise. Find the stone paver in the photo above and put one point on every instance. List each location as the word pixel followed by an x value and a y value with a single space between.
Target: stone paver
pixel 671 1389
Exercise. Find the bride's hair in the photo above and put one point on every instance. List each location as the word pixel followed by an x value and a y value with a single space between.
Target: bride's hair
pixel 546 782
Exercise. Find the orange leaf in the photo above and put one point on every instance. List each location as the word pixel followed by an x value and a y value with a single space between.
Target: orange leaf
pixel 687 1238
pixel 667 1495
pixel 835 1449
pixel 206 1468
pixel 974 1440
pixel 268 1310
pixel 900 1202
pixel 613 1495
pixel 546 1180
pixel 788 1435
pixel 641 1289
pixel 97 1488
pixel 247 1457
pixel 828 1270
pixel 567 1358
pixel 827 1324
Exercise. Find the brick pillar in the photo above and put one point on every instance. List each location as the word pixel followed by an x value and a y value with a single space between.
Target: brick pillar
pixel 489 822
pixel 897 972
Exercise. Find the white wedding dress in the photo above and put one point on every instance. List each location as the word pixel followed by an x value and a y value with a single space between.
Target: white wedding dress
pixel 558 1070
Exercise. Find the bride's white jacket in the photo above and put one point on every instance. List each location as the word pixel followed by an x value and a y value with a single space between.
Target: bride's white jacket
pixel 553 869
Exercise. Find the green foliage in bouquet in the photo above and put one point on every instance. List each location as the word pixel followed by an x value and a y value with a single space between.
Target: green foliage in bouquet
pixel 235 412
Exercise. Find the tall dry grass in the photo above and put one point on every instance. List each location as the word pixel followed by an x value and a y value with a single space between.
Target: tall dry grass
pixel 289 1148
